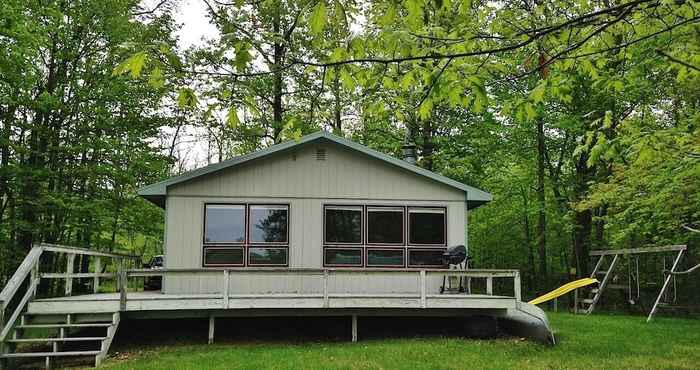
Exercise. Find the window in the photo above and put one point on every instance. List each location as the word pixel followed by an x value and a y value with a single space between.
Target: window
pixel 229 242
pixel 426 226
pixel 425 257
pixel 385 257
pixel 342 256
pixel 268 224
pixel 376 236
pixel 267 256
pixel 224 223
pixel 385 225
pixel 223 256
pixel 343 225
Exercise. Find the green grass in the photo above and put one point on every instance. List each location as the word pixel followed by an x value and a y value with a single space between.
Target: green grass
pixel 584 342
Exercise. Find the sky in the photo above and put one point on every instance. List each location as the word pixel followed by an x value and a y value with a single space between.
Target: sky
pixel 195 24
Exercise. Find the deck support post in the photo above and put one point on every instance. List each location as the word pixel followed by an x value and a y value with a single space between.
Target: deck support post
pixel 96 279
pixel 70 261
pixel 423 290
pixel 226 289
pixel 121 278
pixel 489 285
pixel 516 289
pixel 354 328
pixel 212 322
pixel 325 288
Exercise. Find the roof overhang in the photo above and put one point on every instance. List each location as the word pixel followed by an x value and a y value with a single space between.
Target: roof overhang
pixel 157 192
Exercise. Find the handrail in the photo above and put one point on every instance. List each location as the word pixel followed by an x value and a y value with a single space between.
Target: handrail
pixel 85 251
pixel 487 274
pixel 20 275
pixel 30 265
pixel 665 248
pixel 162 271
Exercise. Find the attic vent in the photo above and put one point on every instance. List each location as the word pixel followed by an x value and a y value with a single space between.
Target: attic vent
pixel 320 154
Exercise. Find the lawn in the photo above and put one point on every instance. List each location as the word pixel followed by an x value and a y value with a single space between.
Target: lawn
pixel 584 342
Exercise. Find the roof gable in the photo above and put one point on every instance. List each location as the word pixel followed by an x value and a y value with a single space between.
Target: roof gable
pixel 156 192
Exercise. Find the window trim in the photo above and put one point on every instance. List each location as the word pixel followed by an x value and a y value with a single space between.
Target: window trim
pixel 248 224
pixel 403 224
pixel 224 247
pixel 408 257
pixel 355 207
pixel 408 226
pixel 245 227
pixel 362 256
pixel 403 255
pixel 257 246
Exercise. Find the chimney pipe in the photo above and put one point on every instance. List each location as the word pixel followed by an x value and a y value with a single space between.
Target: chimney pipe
pixel 409 149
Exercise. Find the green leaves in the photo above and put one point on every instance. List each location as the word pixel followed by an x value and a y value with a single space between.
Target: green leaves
pixel 187 98
pixel 318 17
pixel 132 65
pixel 156 79
pixel 232 118
pixel 243 56
pixel 481 100
pixel 537 94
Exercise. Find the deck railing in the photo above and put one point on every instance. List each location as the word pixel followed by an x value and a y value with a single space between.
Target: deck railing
pixel 488 275
pixel 28 275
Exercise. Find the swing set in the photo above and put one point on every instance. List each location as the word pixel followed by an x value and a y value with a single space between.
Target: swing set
pixel 605 275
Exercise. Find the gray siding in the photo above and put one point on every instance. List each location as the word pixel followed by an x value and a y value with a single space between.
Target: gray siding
pixel 306 184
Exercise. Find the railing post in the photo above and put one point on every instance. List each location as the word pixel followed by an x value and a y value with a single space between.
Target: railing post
pixel 122 285
pixel 69 270
pixel 516 287
pixel 423 295
pixel 226 289
pixel 325 288
pixel 489 285
pixel 96 279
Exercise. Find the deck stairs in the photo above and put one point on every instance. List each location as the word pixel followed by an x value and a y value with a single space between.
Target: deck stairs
pixel 51 336
pixel 603 271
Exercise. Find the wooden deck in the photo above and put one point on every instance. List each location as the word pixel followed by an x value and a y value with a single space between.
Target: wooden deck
pixel 157 301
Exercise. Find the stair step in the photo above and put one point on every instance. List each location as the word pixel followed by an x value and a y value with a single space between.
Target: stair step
pixel 90 325
pixel 587 301
pixel 602 272
pixel 617 286
pixel 50 354
pixel 595 290
pixel 44 340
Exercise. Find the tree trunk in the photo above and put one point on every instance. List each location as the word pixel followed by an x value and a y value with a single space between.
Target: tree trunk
pixel 278 88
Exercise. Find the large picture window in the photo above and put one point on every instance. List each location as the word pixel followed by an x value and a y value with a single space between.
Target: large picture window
pixel 246 235
pixel 343 225
pixel 427 226
pixel 385 225
pixel 224 223
pixel 268 224
pixel 393 237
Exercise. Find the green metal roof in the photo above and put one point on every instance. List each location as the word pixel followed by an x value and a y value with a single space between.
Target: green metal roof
pixel 156 192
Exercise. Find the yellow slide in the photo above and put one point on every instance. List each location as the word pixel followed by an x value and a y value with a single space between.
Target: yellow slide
pixel 580 283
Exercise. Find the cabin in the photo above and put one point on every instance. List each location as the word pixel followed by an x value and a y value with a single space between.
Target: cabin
pixel 319 226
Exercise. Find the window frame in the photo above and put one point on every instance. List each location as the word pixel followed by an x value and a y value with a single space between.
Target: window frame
pixel 408 257
pixel 401 249
pixel 245 226
pixel 249 207
pixel 223 247
pixel 403 224
pixel 267 246
pixel 358 248
pixel 408 226
pixel 355 207
pixel 246 244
